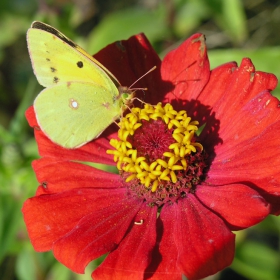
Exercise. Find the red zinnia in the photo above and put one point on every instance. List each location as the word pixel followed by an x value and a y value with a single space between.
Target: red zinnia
pixel 173 206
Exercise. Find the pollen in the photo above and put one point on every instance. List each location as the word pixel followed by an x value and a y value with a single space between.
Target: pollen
pixel 154 145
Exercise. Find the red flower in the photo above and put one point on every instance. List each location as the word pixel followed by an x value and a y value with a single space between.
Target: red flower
pixel 184 225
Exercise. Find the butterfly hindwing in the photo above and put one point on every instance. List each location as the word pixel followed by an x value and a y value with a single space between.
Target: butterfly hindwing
pixel 71 115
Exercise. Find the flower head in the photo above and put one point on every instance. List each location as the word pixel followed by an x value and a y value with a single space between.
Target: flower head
pixel 179 193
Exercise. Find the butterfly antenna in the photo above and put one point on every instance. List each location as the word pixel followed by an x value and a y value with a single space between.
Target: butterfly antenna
pixel 152 69
pixel 141 101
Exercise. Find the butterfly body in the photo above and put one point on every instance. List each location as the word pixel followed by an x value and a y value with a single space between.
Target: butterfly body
pixel 82 98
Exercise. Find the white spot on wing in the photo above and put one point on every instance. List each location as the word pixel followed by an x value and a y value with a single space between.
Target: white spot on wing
pixel 73 104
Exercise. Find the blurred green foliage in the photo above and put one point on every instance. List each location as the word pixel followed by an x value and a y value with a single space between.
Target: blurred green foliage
pixel 234 29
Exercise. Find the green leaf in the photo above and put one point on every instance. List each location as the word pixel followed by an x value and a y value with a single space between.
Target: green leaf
pixel 25 266
pixel 234 20
pixel 10 215
pixel 256 261
pixel 123 24
pixel 189 15
pixel 59 271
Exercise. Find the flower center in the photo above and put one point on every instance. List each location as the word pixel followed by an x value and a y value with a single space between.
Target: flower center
pixel 156 153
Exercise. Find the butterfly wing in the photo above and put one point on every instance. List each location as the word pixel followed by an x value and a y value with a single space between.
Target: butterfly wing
pixel 70 116
pixel 55 59
pixel 81 98
pixel 43 26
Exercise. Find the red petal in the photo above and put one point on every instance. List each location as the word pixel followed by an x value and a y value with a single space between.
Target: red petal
pixel 260 112
pixel 128 60
pixel 205 245
pixel 31 118
pixel 201 109
pixel 237 86
pixel 273 200
pixel 217 84
pixel 132 256
pixel 187 69
pixel 228 89
pixel 194 242
pixel 165 254
pixel 237 204
pixel 256 159
pixel 94 151
pixel 96 234
pixel 50 217
pixel 243 85
pixel 57 176
pixel 250 149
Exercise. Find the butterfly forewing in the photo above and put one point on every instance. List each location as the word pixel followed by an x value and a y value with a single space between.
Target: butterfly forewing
pixel 49 29
pixel 55 61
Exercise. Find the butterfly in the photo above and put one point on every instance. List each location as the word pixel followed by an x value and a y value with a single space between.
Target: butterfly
pixel 81 97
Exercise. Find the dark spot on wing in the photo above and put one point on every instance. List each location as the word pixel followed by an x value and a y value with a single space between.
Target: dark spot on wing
pixel 47 59
pixel 53 69
pixel 80 64
pixel 50 29
pixel 55 80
